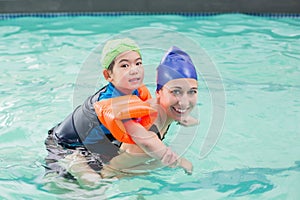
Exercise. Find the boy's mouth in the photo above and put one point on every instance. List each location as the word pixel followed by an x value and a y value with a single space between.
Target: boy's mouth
pixel 134 80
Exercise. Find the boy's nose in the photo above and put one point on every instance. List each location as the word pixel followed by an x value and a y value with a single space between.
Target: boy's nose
pixel 134 69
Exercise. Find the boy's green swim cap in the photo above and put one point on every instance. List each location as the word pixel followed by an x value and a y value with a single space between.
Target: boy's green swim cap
pixel 115 47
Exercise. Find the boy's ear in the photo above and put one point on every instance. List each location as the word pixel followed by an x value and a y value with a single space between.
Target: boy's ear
pixel 106 74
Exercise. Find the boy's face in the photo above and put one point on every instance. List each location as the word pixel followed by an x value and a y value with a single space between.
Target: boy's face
pixel 178 97
pixel 128 72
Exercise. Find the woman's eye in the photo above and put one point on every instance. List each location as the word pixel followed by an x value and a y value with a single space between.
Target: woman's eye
pixel 176 92
pixel 192 92
pixel 139 63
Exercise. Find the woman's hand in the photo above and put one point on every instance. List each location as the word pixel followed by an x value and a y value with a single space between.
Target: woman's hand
pixel 189 121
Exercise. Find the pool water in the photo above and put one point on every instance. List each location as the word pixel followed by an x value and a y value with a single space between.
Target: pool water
pixel 248 142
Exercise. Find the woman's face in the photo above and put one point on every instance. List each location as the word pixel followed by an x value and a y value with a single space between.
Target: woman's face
pixel 178 97
pixel 127 73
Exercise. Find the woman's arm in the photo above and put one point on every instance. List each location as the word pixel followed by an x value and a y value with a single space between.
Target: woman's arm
pixel 154 147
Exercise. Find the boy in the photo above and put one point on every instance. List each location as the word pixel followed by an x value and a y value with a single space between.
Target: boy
pixel 123 69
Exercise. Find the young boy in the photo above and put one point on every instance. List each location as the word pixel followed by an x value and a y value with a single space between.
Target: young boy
pixel 123 69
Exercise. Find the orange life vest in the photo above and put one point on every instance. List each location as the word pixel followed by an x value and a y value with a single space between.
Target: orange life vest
pixel 112 111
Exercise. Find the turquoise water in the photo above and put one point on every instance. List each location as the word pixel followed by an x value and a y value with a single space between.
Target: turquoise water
pixel 247 145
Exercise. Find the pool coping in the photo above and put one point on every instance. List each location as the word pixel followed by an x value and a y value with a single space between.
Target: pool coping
pixel 8 16
pixel 150 7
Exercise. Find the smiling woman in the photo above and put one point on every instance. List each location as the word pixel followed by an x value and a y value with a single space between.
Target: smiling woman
pixel 147 152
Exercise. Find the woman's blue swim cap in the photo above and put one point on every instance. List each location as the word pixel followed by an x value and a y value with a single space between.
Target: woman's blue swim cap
pixel 174 65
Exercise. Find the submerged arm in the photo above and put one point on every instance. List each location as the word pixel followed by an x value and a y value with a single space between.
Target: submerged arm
pixel 77 165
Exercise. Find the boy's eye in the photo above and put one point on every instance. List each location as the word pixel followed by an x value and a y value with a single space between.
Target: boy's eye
pixel 124 65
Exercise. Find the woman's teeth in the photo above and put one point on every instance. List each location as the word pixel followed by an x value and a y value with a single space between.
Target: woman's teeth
pixel 179 110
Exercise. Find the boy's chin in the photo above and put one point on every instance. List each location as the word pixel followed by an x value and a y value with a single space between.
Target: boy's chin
pixel 135 86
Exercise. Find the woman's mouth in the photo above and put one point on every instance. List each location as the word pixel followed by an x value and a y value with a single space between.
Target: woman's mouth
pixel 180 111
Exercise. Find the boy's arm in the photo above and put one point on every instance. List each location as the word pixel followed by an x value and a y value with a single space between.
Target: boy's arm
pixel 154 147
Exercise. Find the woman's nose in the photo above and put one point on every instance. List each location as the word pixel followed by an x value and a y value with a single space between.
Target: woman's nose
pixel 183 100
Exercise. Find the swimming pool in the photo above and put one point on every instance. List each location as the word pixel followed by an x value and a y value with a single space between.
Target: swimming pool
pixel 247 144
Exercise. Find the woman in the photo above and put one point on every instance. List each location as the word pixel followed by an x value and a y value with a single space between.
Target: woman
pixel 176 96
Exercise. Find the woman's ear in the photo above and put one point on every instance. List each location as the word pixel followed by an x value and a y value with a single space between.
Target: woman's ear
pixel 157 94
pixel 106 73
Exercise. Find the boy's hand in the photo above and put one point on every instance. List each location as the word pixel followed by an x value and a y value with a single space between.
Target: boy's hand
pixel 186 165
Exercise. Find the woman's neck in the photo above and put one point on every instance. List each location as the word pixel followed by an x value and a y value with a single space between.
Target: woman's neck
pixel 163 119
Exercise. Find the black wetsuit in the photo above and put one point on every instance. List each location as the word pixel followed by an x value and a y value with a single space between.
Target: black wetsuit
pixel 82 130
